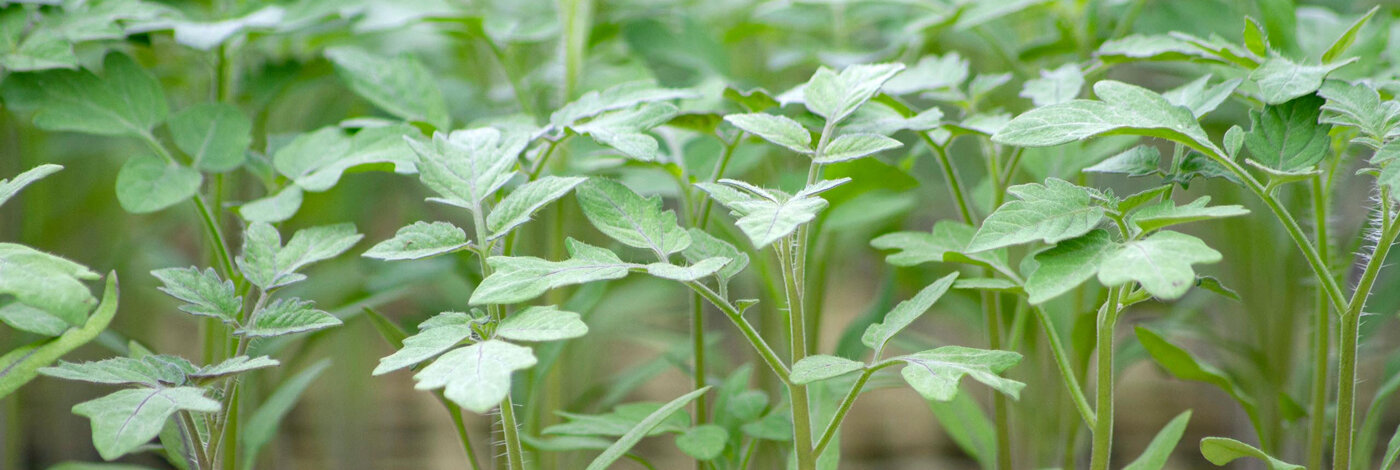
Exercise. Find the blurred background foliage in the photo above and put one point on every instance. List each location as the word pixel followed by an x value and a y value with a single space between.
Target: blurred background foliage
pixel 500 60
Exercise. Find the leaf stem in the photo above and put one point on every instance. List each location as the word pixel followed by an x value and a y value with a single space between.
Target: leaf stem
pixel 801 409
pixel 991 310
pixel 1317 421
pixel 1067 374
pixel 188 432
pixel 950 173
pixel 846 403
pixel 750 333
pixel 461 426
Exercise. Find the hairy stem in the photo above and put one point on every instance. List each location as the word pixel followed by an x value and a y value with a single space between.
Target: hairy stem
pixel 514 452
pixel 1350 323
pixel 801 410
pixel 1103 411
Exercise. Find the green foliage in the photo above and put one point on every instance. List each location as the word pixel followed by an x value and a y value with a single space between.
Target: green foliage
pixel 1220 451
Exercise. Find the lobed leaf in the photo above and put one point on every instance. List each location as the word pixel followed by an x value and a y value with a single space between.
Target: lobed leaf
pixel 1049 212
pixel 704 246
pixel 835 96
pixel 935 373
pixel 524 201
pixel 1054 86
pixel 127 419
pixel 1287 136
pixel 1281 80
pixel 517 279
pixel 536 323
pixel 1068 264
pixel 625 129
pixel 1161 263
pixel 1124 109
pixel 204 293
pixel 287 316
pixel 946 243
pixel 420 240
pixel 428 343
pixel 466 166
pixel 476 377
pixel 765 216
pixel 232 366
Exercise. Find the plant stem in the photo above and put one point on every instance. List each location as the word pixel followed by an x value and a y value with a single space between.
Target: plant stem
pixel 515 454
pixel 188 432
pixel 1103 411
pixel 1317 422
pixel 1067 374
pixel 1350 323
pixel 577 16
pixel 991 310
pixel 801 410
pixel 461 426
pixel 750 333
pixel 950 173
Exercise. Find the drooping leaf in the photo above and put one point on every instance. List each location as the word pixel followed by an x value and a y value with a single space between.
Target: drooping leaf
pixel 835 96
pixel 46 282
pixel 620 96
pixel 22 364
pixel 316 160
pixel 1194 95
pixel 1281 80
pixel 947 243
pixel 1054 86
pixel 1167 213
pixel 536 323
pixel 524 201
pixel 1221 450
pixel 1050 212
pixel 935 373
pixel 287 316
pixel 1124 109
pixel 261 427
pixel 127 419
pixel 275 208
pixel 126 100
pixel 10 187
pixel 1182 365
pixel 705 442
pixel 1067 265
pixel 420 240
pixel 517 279
pixel 629 218
pixel 904 314
pixel 821 367
pixel 231 366
pixel 148 371
pixel 1158 47
pixel 695 271
pixel 1287 136
pixel 852 146
pixel 476 377
pixel 625 129
pixel 642 429
pixel 214 135
pixel 428 343
pixel 147 183
pixel 766 216
pixel 204 293
pixel 1141 160
pixel 704 246
pixel 1161 263
pixel 779 130
pixel 1154 457
pixel 401 86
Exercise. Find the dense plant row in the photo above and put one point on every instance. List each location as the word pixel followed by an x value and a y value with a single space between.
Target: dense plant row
pixel 739 197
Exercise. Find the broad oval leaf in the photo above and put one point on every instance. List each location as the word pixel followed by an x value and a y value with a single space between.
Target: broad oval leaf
pixel 127 419
pixel 420 240
pixel 316 160
pixel 214 135
pixel 821 367
pixel 779 130
pixel 147 183
pixel 536 323
pixel 126 100
pixel 1067 265
pixel 935 373
pixel 476 377
pixel 1050 212
pixel 1161 263
pixel 852 146
pixel 401 86
pixel 629 218
pixel 705 442
pixel 835 96
pixel 1221 451
pixel 275 208
pixel 1054 86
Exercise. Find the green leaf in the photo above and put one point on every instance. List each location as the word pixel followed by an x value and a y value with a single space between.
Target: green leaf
pixel 968 426
pixel 206 36
pixel 766 216
pixel 10 187
pixel 620 96
pixel 625 129
pixel 204 293
pixel 315 161
pixel 1182 365
pixel 214 135
pixel 150 371
pixel 1167 213
pixel 46 282
pixel 904 314
pixel 935 373
pixel 1344 41
pixel 635 221
pixel 1141 160
pixel 1201 100
pixel 1067 265
pixel 622 419
pixel 1054 86
pixel 821 367
pixel 22 364
pixel 524 201
pixel 775 426
pixel 695 271
pixel 420 240
pixel 642 429
pixel 704 246
pixel 852 146
pixel 779 130
pixel 1281 80
pixel 1220 451
pixel 232 366
pixel 401 86
pixel 1255 39
pixel 26 318
pixel 147 183
pixel 1360 106
pixel 275 208
pixel 287 316
pixel 127 419
pixel 931 73
pixel 269 265
pixel 428 343
pixel 1050 212
pixel 126 100
pixel 1124 109
pixel 947 243
pixel 1392 451
pixel 261 427
pixel 754 100
pixel 1161 263
pixel 835 96
pixel 1389 178
pixel 517 279
pixel 467 166
pixel 1287 136
pixel 1154 457
pixel 536 323
pixel 1161 47
pixel 476 377
pixel 705 442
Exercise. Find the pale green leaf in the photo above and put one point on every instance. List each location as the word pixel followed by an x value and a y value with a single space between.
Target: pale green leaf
pixel 517 279
pixel 34 320
pixel 935 373
pixel 401 86
pixel 268 264
pixel 476 377
pixel 1221 451
pixel 147 183
pixel 1255 39
pixel 1050 212
pixel 931 73
pixel 232 366
pixel 524 201
pixel 625 129
pixel 1194 95
pixel 704 246
pixel 766 216
pixel 821 367
pixel 46 282
pixel 629 218
pixel 1287 136
pixel 852 146
pixel 947 243
pixel 779 130
pixel 642 429
pixel 206 36
pixel 1360 106
pixel 10 187
pixel 1067 265
pixel 1154 457
pixel 1124 109
pixel 1280 80
pixel 420 240
pixel 467 166
pixel 204 293
pixel 126 100
pixel 1141 160
pixel 275 208
pixel 120 370
pixel 1161 263
pixel 1054 86
pixel 695 271
pixel 1392 451
pixel 1160 47
pixel 287 316
pixel 621 419
pixel 1167 213
pixel 428 343
pixel 214 135
pixel 315 161
pixel 705 442
pixel 127 419
pixel 22 364
pixel 904 314
pixel 536 323
pixel 835 96
pixel 620 96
